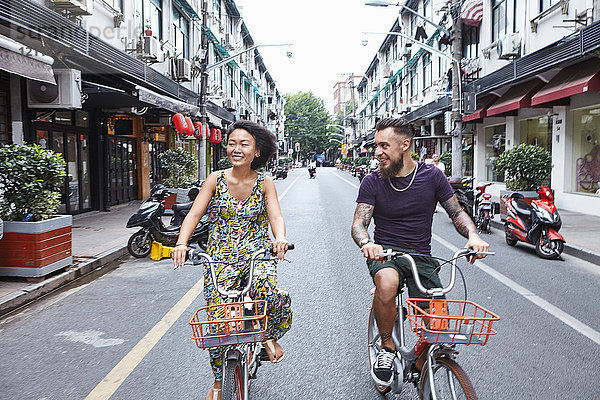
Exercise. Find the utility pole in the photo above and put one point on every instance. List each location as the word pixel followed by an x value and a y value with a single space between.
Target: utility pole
pixel 203 91
pixel 457 158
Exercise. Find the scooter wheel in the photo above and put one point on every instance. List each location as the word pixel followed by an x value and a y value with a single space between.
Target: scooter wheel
pixel 510 240
pixel 549 250
pixel 140 244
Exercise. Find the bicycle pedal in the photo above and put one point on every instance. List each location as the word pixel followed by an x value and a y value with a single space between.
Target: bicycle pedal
pixel 263 356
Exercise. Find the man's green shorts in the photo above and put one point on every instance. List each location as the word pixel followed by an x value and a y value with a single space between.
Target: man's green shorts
pixel 426 266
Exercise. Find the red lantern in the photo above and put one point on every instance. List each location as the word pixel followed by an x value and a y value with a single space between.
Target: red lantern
pixel 219 136
pixel 215 135
pixel 179 122
pixel 198 129
pixel 190 126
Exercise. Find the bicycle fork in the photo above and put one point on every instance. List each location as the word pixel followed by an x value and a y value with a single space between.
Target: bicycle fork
pixel 238 356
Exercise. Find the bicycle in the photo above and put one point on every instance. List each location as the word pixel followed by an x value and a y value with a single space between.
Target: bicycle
pixel 446 324
pixel 240 333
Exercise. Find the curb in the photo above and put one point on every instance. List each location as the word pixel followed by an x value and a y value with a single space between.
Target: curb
pixel 572 250
pixel 34 291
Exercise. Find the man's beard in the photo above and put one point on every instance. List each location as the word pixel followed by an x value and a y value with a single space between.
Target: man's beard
pixel 392 169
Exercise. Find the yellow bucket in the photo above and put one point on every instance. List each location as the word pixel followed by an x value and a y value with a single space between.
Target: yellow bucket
pixel 158 251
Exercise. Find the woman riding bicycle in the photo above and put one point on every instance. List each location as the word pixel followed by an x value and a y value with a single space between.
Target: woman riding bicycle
pixel 242 203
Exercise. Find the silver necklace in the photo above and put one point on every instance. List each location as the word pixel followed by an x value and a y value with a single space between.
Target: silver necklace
pixel 411 181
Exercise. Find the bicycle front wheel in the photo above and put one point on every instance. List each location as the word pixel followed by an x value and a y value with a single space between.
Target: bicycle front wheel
pixel 233 388
pixel 450 381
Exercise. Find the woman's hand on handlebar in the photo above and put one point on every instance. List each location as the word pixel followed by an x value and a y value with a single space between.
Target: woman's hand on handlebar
pixel 477 244
pixel 279 247
pixel 179 255
pixel 370 251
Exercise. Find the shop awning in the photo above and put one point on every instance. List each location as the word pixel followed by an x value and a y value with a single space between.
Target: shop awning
pixel 518 96
pixel 167 103
pixel 480 112
pixel 471 12
pixel 18 59
pixel 577 79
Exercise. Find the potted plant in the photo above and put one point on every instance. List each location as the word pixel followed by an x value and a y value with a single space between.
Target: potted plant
pixel 36 240
pixel 525 167
pixel 181 166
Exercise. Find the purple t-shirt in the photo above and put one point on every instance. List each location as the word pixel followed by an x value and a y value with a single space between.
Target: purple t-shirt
pixel 403 219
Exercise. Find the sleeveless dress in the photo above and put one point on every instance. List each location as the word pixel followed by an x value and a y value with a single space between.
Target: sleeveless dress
pixel 238 228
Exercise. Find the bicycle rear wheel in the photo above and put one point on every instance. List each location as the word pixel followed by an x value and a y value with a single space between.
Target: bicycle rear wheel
pixel 450 381
pixel 233 389
pixel 374 345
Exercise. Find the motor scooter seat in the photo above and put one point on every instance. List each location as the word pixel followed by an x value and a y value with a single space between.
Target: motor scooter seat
pixel 522 207
pixel 182 206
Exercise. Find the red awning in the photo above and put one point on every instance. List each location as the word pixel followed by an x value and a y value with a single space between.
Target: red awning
pixel 580 78
pixel 518 96
pixel 481 112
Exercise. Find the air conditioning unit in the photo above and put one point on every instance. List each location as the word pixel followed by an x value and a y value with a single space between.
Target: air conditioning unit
pixel 230 104
pixel 509 46
pixel 406 52
pixel 387 71
pixel 183 69
pixel 75 7
pixel 65 94
pixel 150 48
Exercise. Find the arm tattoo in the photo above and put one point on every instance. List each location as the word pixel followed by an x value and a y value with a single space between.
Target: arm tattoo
pixel 362 218
pixel 461 220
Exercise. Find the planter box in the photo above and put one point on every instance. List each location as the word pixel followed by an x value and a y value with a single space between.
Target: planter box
pixel 529 196
pixel 35 249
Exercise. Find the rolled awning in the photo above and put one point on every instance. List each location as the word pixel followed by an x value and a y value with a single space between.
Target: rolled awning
pixel 577 79
pixel 518 96
pixel 167 103
pixel 18 59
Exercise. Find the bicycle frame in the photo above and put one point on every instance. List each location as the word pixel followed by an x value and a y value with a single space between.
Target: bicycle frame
pixel 408 355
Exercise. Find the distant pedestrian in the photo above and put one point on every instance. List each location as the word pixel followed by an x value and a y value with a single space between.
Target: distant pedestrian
pixel 438 163
pixel 373 164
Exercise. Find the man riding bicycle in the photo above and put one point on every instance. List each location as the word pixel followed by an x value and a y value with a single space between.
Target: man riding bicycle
pixel 401 197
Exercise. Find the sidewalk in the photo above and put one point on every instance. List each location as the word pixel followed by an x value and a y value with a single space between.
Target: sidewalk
pixel 101 237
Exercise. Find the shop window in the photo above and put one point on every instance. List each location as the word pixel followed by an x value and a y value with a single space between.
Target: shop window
pixel 495 139
pixel 537 131
pixel 586 150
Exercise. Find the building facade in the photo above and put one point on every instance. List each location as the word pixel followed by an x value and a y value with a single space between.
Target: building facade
pixel 524 80
pixel 99 80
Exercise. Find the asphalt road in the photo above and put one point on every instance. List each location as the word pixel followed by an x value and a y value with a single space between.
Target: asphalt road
pixel 125 333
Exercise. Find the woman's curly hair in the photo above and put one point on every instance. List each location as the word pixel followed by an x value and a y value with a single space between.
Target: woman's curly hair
pixel 266 141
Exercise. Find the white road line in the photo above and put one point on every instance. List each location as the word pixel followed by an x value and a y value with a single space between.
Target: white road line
pixel 345 180
pixel 527 294
pixel 111 382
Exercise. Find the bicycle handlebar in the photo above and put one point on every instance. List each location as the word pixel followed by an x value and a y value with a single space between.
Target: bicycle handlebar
pixel 390 255
pixel 196 256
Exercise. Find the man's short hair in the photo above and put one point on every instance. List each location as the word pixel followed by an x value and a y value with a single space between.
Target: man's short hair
pixel 401 126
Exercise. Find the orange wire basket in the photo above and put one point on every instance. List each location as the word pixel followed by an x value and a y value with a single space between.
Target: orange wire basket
pixel 451 321
pixel 230 324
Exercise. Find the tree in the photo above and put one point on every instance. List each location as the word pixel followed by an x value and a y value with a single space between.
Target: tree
pixel 306 120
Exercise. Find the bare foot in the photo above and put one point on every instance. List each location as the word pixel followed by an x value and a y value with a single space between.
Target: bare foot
pixel 214 393
pixel 274 350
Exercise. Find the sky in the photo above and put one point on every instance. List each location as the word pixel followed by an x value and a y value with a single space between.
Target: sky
pixel 326 37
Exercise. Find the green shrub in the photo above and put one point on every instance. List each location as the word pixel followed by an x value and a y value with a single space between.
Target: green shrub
pixel 525 167
pixel 224 163
pixel 31 179
pixel 181 166
pixel 415 156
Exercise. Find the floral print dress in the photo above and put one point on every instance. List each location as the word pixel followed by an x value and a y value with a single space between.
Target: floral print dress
pixel 238 228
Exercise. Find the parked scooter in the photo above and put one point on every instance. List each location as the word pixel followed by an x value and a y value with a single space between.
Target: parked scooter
pixel 484 209
pixel 279 173
pixel 362 171
pixel 464 194
pixel 536 224
pixel 148 217
pixel 181 210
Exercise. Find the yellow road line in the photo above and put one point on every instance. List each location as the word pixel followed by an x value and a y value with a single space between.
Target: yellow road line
pixel 114 379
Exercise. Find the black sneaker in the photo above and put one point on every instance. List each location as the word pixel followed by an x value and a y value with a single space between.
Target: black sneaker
pixel 382 370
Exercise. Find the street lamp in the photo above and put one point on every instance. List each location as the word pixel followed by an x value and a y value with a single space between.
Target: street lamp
pixel 456 75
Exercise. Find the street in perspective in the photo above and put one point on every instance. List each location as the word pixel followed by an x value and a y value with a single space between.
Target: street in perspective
pixel 258 199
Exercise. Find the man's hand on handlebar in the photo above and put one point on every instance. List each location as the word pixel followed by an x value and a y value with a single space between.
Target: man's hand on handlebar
pixel 370 251
pixel 477 244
